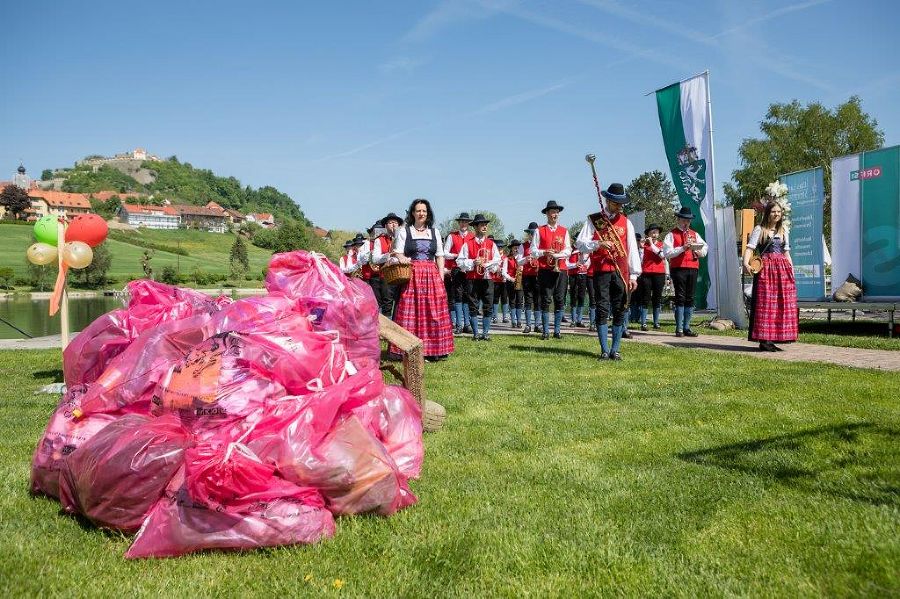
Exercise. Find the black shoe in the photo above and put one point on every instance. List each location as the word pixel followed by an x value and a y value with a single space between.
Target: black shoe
pixel 485 337
pixel 475 337
pixel 604 356
pixel 679 334
pixel 690 333
pixel 656 327
pixel 766 346
pixel 615 356
pixel 644 327
pixel 544 336
pixel 592 328
pixel 526 330
pixel 557 336
pixel 777 348
pixel 626 335
pixel 579 325
pixel 564 319
pixel 467 330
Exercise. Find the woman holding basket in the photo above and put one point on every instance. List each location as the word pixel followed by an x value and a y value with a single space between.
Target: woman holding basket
pixel 422 308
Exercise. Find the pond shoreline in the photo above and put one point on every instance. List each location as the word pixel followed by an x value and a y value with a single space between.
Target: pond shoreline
pixel 86 294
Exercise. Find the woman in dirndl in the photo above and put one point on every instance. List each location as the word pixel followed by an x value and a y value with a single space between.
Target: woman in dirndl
pixel 773 306
pixel 422 309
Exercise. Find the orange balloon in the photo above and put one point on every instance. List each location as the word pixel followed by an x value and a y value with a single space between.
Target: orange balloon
pixel 88 228
pixel 77 254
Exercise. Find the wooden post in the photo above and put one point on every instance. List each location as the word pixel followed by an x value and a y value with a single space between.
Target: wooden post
pixel 64 301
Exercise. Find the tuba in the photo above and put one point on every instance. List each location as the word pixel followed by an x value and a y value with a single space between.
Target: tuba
pixel 484 255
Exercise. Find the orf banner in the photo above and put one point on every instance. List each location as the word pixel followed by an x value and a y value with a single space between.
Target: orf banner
pixel 806 197
pixel 684 119
pixel 865 221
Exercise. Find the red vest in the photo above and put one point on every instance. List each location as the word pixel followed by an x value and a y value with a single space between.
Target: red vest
pixel 456 243
pixel 601 259
pixel 527 269
pixel 511 266
pixel 367 271
pixel 686 259
pixel 547 239
pixel 472 248
pixel 652 263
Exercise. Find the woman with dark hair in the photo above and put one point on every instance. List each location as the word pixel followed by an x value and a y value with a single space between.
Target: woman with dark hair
pixel 773 306
pixel 422 308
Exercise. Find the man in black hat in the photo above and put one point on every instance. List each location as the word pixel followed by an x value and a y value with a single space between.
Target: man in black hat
pixel 455 280
pixel 609 237
pixel 479 258
pixel 509 270
pixel 684 247
pixel 351 263
pixel 529 265
pixel 381 256
pixel 552 247
pixel 653 275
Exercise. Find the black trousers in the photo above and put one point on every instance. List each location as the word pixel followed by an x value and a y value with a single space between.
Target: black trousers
pixel 684 280
pixel 609 291
pixel 455 283
pixel 384 295
pixel 530 293
pixel 513 295
pixel 480 290
pixel 578 285
pixel 499 293
pixel 651 287
pixel 552 286
pixel 589 283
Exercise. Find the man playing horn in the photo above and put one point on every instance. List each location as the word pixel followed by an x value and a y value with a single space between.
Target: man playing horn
pixel 608 236
pixel 552 247
pixel 478 258
pixel 684 247
pixel 456 279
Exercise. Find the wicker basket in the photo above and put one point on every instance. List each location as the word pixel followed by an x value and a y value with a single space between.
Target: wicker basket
pixel 396 274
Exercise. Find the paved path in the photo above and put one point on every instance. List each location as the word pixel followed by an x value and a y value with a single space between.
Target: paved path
pixel 878 359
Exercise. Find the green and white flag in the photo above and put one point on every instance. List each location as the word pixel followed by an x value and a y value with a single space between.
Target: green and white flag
pixel 685 122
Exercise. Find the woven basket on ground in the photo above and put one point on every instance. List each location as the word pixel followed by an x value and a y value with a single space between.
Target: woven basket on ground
pixel 396 274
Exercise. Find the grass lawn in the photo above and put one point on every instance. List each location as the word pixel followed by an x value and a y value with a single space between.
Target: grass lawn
pixel 208 251
pixel 671 473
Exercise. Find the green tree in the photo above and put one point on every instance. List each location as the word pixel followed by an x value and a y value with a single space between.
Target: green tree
pixel 46 174
pixel 39 277
pixel 575 229
pixel 169 275
pixel 146 257
pixel 95 273
pixel 108 209
pixel 6 275
pixel 654 193
pixel 15 200
pixel 291 236
pixel 797 137
pixel 240 263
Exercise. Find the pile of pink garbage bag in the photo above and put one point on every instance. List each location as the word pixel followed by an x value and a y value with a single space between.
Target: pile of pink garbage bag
pixel 208 423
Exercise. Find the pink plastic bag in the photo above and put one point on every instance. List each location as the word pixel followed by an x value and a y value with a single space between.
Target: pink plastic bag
pixel 149 305
pixel 63 435
pixel 229 499
pixel 335 302
pixel 396 419
pixel 115 478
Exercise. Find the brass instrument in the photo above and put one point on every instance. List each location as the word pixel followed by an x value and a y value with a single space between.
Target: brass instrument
pixel 482 257
pixel 518 285
pixel 690 238
pixel 555 247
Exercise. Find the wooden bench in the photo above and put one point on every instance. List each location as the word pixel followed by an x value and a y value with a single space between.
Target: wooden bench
pixel 889 307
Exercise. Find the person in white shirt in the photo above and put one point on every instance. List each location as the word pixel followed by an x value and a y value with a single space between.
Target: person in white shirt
pixel 552 247
pixel 352 262
pixel 683 247
pixel 381 256
pixel 478 258
pixel 455 281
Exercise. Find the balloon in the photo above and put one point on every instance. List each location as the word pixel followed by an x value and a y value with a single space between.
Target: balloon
pixel 41 254
pixel 89 228
pixel 77 254
pixel 45 230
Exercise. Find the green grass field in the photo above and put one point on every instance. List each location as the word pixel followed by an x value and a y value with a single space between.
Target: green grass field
pixel 672 473
pixel 208 251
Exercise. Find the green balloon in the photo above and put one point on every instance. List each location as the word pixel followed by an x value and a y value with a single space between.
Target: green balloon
pixel 45 230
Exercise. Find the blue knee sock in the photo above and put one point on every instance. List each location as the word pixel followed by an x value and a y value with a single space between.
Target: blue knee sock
pixel 593 315
pixel 545 321
pixel 517 313
pixel 557 320
pixel 494 311
pixel 527 317
pixel 643 316
pixel 603 335
pixel 679 317
pixel 485 324
pixel 573 315
pixel 538 319
pixel 656 316
pixel 617 337
pixel 688 312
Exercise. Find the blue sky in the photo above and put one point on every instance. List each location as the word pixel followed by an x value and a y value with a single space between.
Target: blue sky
pixel 355 108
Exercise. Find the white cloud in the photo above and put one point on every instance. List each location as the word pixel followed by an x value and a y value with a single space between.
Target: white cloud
pixel 404 64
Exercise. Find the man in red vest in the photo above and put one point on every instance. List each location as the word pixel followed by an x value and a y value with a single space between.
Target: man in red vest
pixel 653 275
pixel 381 255
pixel 684 247
pixel 455 280
pixel 351 263
pixel 608 236
pixel 509 268
pixel 479 258
pixel 528 263
pixel 552 247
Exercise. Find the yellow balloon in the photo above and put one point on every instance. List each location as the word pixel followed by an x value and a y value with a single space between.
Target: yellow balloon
pixel 77 254
pixel 41 254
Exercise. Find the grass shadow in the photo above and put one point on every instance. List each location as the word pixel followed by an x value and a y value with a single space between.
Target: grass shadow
pixel 57 375
pixel 713 346
pixel 850 461
pixel 559 351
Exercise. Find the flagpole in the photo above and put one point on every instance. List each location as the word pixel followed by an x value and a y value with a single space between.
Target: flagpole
pixel 703 74
pixel 712 163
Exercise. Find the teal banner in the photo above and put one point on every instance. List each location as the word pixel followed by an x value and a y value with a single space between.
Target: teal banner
pixel 806 197
pixel 879 183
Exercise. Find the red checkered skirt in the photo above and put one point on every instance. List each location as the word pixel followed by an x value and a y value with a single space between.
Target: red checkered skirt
pixel 773 308
pixel 422 310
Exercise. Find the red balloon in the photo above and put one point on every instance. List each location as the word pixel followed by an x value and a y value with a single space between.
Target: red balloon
pixel 89 228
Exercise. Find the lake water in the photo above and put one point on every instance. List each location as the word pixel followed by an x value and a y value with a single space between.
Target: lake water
pixel 31 315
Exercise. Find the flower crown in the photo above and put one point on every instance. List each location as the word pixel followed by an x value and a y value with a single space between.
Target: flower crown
pixel 778 190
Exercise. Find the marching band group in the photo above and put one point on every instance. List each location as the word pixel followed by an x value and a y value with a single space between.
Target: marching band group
pixel 470 274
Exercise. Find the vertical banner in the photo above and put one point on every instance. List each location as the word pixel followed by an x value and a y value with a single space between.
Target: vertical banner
pixel 879 183
pixel 845 227
pixel 806 197
pixel 684 121
pixel 638 220
pixel 730 295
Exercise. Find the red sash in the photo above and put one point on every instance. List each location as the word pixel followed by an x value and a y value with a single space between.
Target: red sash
pixel 601 259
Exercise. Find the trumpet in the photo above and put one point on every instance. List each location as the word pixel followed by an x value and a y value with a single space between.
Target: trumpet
pixel 555 247
pixel 690 238
pixel 481 258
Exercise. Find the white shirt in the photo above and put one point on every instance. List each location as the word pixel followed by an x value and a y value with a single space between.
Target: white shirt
pixel 448 244
pixel 757 232
pixel 670 251
pixel 521 258
pixel 350 263
pixel 467 264
pixel 428 233
pixel 587 245
pixel 379 257
pixel 504 271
